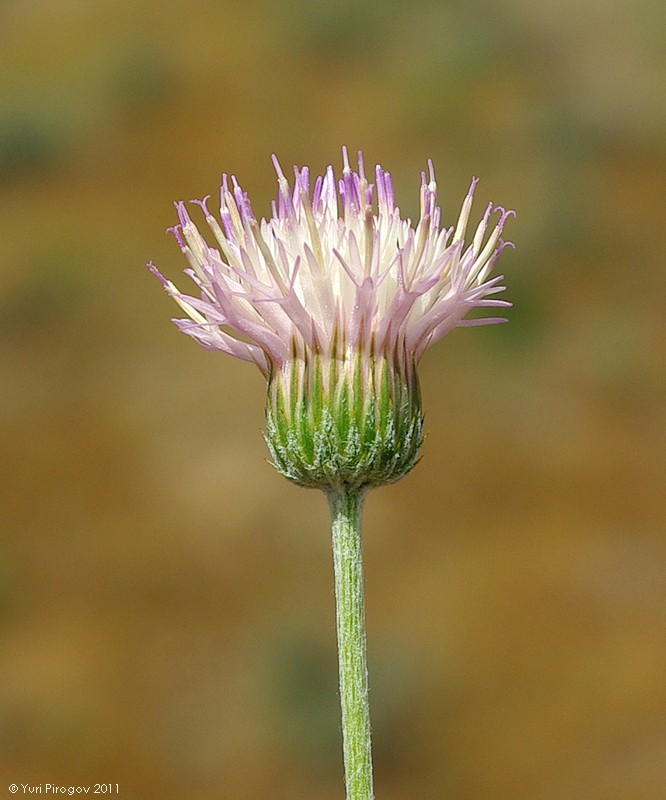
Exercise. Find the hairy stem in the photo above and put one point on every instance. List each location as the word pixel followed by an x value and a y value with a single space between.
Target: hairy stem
pixel 346 508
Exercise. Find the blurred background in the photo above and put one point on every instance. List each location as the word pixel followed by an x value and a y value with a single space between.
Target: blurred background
pixel 166 609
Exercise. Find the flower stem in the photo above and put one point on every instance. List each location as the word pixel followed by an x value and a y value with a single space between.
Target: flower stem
pixel 346 509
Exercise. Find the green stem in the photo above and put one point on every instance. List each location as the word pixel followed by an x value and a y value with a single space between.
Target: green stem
pixel 346 509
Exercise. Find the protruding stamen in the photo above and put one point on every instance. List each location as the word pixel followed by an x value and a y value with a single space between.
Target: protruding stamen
pixel 345 160
pixel 237 229
pixel 431 171
pixel 285 204
pixel 481 230
pixel 464 214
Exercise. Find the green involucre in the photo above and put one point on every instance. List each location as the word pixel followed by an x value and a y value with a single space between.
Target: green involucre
pixel 352 422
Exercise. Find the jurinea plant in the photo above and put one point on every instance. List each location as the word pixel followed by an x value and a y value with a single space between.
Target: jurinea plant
pixel 335 298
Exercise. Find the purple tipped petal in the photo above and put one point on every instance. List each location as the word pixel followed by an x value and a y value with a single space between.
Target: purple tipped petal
pixel 175 230
pixel 158 274
pixel 202 204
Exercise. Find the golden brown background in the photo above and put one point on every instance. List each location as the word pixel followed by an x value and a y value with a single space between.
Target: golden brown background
pixel 166 610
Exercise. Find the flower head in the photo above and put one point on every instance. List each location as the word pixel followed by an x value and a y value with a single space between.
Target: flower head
pixel 336 298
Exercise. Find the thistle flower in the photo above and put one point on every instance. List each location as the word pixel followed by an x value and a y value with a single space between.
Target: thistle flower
pixel 336 299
